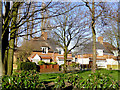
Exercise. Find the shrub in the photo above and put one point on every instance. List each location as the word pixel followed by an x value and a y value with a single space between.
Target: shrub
pixel 74 65
pixel 28 66
pixel 70 79
pixel 53 63
pixel 96 80
pixel 28 80
pixel 41 62
pixel 59 82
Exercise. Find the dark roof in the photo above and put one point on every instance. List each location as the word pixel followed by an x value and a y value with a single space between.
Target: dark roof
pixel 38 42
pixel 107 47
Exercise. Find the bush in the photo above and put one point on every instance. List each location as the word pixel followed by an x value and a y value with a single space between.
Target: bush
pixel 28 80
pixel 53 63
pixel 28 66
pixel 41 62
pixel 70 79
pixel 94 81
pixel 98 80
pixel 74 65
pixel 59 82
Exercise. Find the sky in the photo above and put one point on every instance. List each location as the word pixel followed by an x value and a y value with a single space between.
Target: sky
pixel 84 8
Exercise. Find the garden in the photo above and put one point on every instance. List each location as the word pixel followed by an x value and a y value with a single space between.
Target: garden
pixel 31 79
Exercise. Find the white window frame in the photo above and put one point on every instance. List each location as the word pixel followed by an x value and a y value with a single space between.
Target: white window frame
pixel 45 50
pixel 100 52
pixel 59 50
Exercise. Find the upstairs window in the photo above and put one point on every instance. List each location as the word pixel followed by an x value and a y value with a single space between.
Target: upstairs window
pixel 100 52
pixel 60 51
pixel 115 52
pixel 75 59
pixel 44 50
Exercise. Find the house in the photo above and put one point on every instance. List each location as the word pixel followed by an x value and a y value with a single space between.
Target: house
pixel 47 50
pixel 107 55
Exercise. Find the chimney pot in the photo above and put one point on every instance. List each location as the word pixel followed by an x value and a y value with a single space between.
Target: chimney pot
pixel 44 34
pixel 100 39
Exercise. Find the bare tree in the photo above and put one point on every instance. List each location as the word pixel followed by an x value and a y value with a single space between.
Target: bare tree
pixel 10 25
pixel 71 31
pixel 97 13
pixel 92 10
pixel 111 31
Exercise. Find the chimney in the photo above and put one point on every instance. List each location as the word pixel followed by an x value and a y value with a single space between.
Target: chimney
pixel 44 34
pixel 100 39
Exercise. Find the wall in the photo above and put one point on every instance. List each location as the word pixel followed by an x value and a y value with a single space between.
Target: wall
pixel 101 63
pixel 36 59
pixel 111 62
pixel 49 68
pixel 46 60
pixel 83 60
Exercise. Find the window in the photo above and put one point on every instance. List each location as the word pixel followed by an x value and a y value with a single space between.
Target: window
pixel 115 52
pixel 75 59
pixel 100 52
pixel 59 51
pixel 44 50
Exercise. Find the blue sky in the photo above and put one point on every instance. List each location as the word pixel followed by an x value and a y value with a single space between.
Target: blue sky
pixel 82 8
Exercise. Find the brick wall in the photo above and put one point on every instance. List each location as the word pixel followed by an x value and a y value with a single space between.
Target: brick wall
pixel 49 68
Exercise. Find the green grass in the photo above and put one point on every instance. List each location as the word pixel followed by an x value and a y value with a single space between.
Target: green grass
pixel 52 76
pixel 49 77
pixel 114 73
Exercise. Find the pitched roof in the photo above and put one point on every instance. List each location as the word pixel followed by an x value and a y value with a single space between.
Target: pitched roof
pixel 38 42
pixel 68 58
pixel 91 58
pixel 107 47
pixel 41 56
pixel 46 57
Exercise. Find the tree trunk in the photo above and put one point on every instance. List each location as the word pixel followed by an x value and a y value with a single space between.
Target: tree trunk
pixel 65 61
pixel 5 33
pixel 94 38
pixel 0 39
pixel 12 39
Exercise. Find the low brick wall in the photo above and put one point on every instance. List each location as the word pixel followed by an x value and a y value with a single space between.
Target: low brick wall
pixel 49 68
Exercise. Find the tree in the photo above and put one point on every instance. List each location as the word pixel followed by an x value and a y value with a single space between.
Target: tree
pixel 12 38
pixel 92 10
pixel 96 12
pixel 71 28
pixel 0 40
pixel 111 33
pixel 10 26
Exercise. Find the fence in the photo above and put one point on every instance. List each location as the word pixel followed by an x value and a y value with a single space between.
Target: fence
pixel 49 68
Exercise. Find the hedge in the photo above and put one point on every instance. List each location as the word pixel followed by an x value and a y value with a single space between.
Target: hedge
pixel 28 66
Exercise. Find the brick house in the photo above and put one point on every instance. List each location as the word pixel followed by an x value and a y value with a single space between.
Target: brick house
pixel 107 55
pixel 47 50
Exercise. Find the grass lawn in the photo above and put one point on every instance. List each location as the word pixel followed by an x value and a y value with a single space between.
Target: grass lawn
pixel 52 76
pixel 49 77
